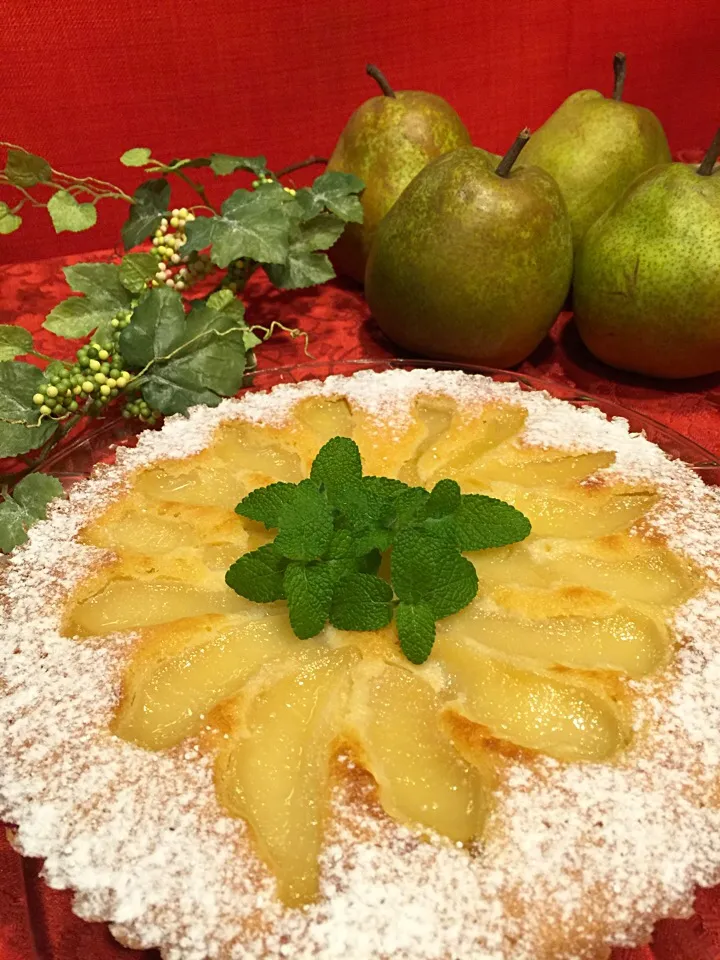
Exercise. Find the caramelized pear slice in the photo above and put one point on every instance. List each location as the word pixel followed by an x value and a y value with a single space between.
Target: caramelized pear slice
pixel 327 417
pixel 531 467
pixel 131 604
pixel 532 710
pixel 395 721
pixel 576 514
pixel 182 671
pixel 465 439
pixel 211 486
pixel 276 776
pixel 626 642
pixel 513 564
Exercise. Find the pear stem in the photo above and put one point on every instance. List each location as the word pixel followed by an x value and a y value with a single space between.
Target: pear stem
pixel 507 162
pixel 706 167
pixel 379 77
pixel 619 69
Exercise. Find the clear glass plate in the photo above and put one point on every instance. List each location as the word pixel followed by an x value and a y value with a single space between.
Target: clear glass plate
pixel 98 444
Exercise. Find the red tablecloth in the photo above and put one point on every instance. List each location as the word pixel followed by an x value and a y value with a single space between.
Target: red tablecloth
pixel 36 923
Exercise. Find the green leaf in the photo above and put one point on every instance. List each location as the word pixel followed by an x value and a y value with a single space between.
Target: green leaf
pixel 14 341
pixel 137 157
pixel 301 270
pixel 9 221
pixel 337 466
pixel 426 570
pixel 105 295
pixel 320 233
pixel 416 630
pixel 265 503
pixel 136 270
pixel 253 226
pixel 223 164
pixel 152 199
pixel 26 506
pixel 100 281
pixel 74 318
pixel 338 193
pixel 24 169
pixel 220 299
pixel 309 591
pixel 444 499
pixel 18 382
pixel 258 576
pixel 361 602
pixel 195 359
pixel 306 524
pixel 483 522
pixel 67 214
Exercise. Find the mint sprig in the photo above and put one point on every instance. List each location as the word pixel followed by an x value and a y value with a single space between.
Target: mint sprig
pixel 332 531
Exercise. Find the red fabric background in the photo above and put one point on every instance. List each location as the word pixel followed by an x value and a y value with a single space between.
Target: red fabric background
pixel 82 81
pixel 36 923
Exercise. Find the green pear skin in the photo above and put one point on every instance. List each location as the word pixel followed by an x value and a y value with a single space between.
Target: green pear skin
pixel 647 281
pixel 386 142
pixel 471 266
pixel 595 147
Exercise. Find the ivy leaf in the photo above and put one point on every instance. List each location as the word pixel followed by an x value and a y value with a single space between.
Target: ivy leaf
pixel 306 524
pixel 361 602
pixel 9 221
pixel 27 505
pixel 14 341
pixel 67 214
pixel 265 503
pixel 152 199
pixel 105 296
pixel 198 358
pixel 137 157
pixel 136 270
pixel 202 232
pixel 258 576
pixel 416 630
pixel 309 592
pixel 18 382
pixel 254 227
pixel 301 270
pixel 224 163
pixel 338 192
pixel 25 169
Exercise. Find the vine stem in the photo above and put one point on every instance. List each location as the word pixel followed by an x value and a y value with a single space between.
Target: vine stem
pixel 308 162
pixel 197 187
pixel 22 190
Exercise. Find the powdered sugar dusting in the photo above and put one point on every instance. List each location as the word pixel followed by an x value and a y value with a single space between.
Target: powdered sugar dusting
pixel 574 856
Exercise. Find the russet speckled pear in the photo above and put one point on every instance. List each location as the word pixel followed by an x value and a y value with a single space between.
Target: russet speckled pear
pixel 647 280
pixel 386 142
pixel 470 265
pixel 595 147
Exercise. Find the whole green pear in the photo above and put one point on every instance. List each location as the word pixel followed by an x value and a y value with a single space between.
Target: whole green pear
pixel 647 279
pixel 595 147
pixel 474 260
pixel 386 142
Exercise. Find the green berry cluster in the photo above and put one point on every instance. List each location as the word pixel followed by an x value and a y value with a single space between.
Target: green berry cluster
pixel 93 381
pixel 137 407
pixel 175 270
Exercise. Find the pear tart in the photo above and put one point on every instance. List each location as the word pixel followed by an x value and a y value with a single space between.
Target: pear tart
pixel 544 787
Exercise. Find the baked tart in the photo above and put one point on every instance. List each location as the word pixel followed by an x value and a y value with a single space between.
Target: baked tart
pixel 542 786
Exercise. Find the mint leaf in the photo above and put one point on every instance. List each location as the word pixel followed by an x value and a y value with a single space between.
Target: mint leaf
pixel 258 576
pixel 67 214
pixel 409 506
pixel 426 570
pixel 336 466
pixel 306 524
pixel 361 602
pixel 18 382
pixel 137 157
pixel 152 199
pixel 416 630
pixel 24 169
pixel 385 487
pixel 309 591
pixel 444 499
pixel 136 270
pixel 338 193
pixel 14 341
pixel 265 503
pixel 483 522
pixel 9 221
pixel 26 506
pixel 222 164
